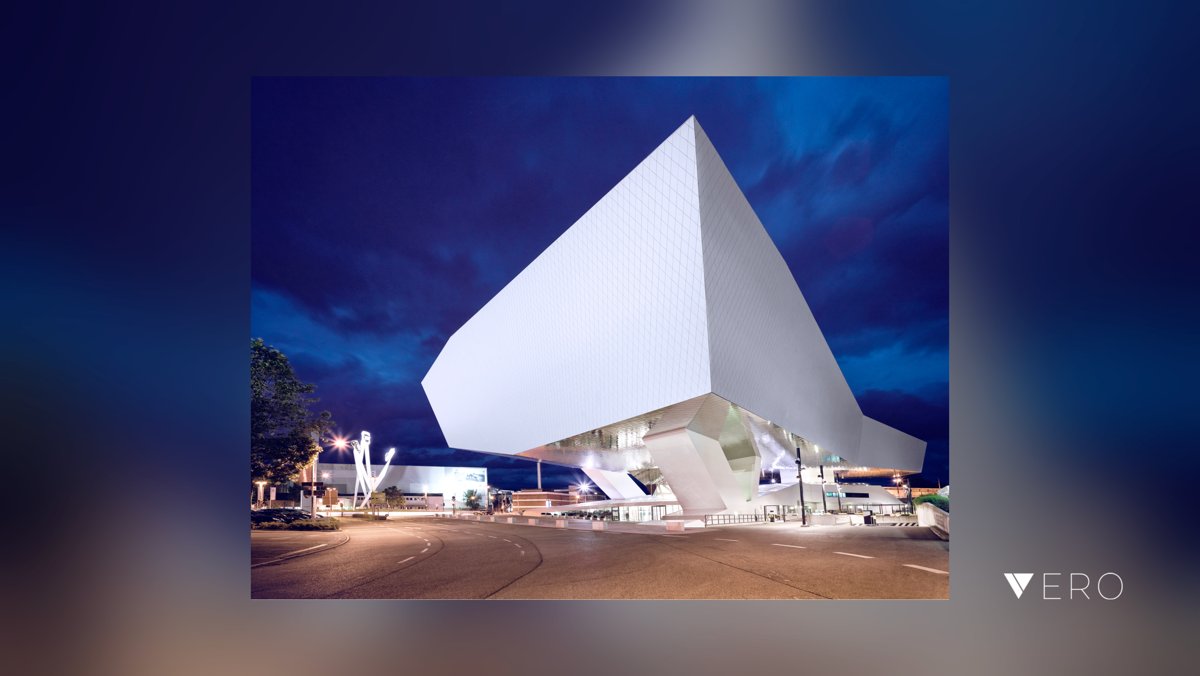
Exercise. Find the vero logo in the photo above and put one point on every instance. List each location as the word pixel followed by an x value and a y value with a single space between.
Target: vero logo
pixel 1018 582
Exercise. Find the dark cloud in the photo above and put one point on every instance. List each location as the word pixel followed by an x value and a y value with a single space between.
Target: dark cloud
pixel 386 212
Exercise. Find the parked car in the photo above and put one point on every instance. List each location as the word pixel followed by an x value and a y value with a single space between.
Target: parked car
pixel 279 515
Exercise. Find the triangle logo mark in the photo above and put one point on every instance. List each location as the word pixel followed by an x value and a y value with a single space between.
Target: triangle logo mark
pixel 1018 582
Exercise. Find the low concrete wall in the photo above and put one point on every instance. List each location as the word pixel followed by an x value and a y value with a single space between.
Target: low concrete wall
pixel 831 519
pixel 928 515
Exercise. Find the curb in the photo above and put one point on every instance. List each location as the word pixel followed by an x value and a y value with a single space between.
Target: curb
pixel 302 554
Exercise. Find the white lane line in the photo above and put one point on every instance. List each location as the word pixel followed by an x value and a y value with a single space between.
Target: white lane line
pixel 861 556
pixel 932 570
pixel 776 544
pixel 725 540
pixel 424 550
pixel 306 549
pixel 507 540
pixel 406 560
pixel 518 544
pixel 492 537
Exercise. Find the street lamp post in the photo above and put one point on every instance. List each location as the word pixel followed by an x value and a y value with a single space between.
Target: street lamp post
pixel 261 485
pixel 325 479
pixel 800 485
pixel 838 491
pixel 824 505
pixel 313 495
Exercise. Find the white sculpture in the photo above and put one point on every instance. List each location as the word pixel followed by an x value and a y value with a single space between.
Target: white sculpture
pixel 364 478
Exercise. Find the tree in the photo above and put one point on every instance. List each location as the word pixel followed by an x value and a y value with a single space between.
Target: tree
pixel 284 433
pixel 471 499
pixel 377 499
pixel 393 496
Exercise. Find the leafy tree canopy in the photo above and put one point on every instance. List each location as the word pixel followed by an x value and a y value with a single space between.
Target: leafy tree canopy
pixel 472 499
pixel 393 495
pixel 284 433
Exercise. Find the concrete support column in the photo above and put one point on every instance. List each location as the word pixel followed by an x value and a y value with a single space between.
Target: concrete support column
pixel 616 485
pixel 686 448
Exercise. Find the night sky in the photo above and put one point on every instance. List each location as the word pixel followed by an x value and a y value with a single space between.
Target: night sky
pixel 387 211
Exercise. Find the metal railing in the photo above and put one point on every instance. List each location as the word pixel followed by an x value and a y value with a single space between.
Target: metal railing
pixel 727 519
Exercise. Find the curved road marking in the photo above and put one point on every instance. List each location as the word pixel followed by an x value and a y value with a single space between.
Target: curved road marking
pixel 776 544
pixel 857 555
pixel 292 555
pixel 932 570
pixel 307 549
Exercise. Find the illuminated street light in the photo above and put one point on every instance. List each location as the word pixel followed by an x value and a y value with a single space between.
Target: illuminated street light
pixel 261 485
pixel 584 488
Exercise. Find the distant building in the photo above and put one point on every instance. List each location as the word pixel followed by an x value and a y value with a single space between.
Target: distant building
pixel 537 501
pixel 423 487
pixel 902 492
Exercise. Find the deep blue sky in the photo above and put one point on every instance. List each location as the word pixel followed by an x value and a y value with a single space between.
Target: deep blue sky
pixel 387 211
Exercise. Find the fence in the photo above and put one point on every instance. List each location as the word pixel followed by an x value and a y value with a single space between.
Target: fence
pixel 727 519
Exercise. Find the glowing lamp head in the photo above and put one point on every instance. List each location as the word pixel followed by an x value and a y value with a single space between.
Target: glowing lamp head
pixel 390 453
pixel 339 443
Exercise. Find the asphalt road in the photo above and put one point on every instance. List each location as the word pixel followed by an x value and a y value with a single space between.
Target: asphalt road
pixel 422 558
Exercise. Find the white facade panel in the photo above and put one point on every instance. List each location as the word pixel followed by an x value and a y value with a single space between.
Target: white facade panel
pixel 768 355
pixel 667 290
pixel 607 323
pixel 888 447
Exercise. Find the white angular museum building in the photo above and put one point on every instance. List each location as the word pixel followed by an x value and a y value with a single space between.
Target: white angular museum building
pixel 663 336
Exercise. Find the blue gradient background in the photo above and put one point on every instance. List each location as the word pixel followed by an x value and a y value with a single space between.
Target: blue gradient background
pixel 125 258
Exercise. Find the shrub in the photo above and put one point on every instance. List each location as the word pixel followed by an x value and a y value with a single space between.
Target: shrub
pixel 940 501
pixel 299 524
pixel 315 524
